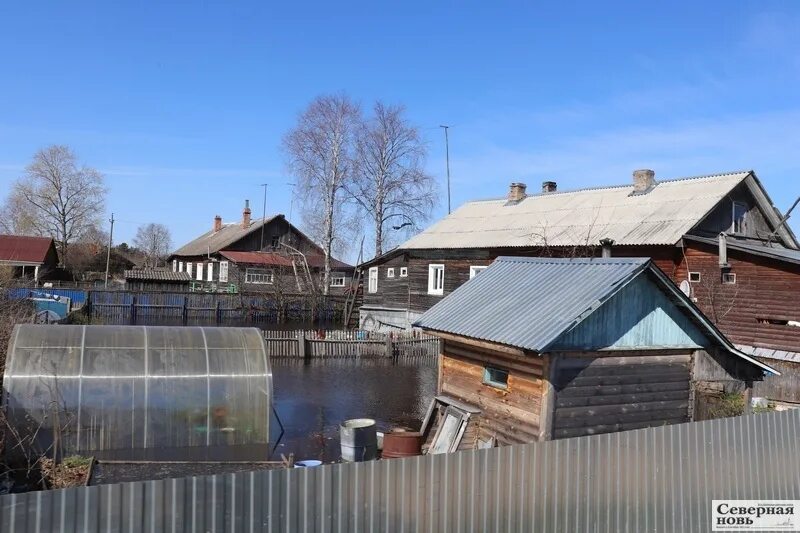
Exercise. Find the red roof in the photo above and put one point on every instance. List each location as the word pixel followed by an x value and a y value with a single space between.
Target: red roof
pixel 17 248
pixel 256 258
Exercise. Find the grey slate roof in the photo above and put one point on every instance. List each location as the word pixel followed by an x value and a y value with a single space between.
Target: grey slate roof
pixel 528 302
pixel 573 218
pixel 156 274
pixel 211 241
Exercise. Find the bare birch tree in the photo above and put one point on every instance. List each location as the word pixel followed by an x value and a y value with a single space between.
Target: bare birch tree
pixel 391 183
pixel 320 152
pixel 57 198
pixel 154 241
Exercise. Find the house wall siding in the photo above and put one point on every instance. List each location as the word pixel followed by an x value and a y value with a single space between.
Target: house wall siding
pixel 764 289
pixel 602 392
pixel 510 415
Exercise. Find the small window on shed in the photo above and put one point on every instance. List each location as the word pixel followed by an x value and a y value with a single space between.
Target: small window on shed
pixel 739 217
pixel 728 278
pixel 403 272
pixel 389 272
pixel 495 377
pixel 276 241
pixel 694 277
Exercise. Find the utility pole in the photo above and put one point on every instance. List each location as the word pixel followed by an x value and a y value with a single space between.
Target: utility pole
pixel 264 216
pixel 291 202
pixel 447 155
pixel 108 253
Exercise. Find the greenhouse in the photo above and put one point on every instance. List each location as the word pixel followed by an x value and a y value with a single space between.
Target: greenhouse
pixel 140 392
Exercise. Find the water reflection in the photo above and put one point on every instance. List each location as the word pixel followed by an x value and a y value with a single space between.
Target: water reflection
pixel 312 399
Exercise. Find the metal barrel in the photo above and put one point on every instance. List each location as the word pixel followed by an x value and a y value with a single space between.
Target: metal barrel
pixel 359 440
pixel 401 444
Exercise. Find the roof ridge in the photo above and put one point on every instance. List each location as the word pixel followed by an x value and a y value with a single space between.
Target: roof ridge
pixel 618 186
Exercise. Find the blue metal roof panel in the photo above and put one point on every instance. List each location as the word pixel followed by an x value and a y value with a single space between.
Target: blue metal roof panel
pixel 527 302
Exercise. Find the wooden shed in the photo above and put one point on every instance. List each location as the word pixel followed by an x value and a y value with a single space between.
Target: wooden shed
pixel 544 348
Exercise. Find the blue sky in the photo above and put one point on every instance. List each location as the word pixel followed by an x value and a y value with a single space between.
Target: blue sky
pixel 183 104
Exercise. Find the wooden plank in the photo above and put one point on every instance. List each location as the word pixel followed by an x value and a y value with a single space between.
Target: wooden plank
pixel 619 399
pixel 644 377
pixel 623 418
pixel 624 408
pixel 548 397
pixel 636 388
pixel 484 345
pixel 565 433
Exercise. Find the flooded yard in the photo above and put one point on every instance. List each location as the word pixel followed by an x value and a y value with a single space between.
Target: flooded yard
pixel 312 399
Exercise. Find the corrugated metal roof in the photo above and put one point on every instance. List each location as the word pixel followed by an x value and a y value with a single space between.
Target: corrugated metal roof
pixel 574 218
pixel 769 353
pixel 24 249
pixel 156 274
pixel 528 302
pixel 772 250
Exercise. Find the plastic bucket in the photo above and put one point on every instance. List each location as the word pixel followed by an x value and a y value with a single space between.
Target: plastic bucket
pixel 307 463
pixel 359 440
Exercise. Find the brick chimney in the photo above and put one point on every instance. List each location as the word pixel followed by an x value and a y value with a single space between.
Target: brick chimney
pixel 643 181
pixel 246 215
pixel 217 223
pixel 516 192
pixel 549 186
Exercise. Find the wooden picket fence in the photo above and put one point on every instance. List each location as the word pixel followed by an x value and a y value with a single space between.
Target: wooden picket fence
pixel 326 344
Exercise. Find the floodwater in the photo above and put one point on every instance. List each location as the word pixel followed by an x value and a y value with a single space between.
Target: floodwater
pixel 311 399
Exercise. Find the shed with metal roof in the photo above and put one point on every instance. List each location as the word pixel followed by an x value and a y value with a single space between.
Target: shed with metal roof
pixel 551 348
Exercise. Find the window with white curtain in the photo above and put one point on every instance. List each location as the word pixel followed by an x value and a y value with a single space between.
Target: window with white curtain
pixel 223 272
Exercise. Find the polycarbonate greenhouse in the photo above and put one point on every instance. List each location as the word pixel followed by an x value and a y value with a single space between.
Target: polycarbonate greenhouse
pixel 132 392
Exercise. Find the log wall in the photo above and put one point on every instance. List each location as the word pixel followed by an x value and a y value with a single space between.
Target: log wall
pixel 511 416
pixel 603 392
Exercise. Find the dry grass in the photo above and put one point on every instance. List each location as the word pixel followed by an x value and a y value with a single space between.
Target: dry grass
pixel 73 471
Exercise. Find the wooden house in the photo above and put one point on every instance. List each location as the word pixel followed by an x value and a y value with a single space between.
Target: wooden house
pixel 548 348
pixel 717 236
pixel 264 255
pixel 32 258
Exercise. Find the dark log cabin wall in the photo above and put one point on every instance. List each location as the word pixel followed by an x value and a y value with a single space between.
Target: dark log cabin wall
pixel 603 392
pixel 757 309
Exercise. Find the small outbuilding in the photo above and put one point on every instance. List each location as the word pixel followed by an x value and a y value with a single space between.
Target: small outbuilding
pixel 543 348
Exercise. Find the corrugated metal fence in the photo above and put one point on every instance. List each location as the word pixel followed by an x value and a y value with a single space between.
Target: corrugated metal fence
pixel 658 479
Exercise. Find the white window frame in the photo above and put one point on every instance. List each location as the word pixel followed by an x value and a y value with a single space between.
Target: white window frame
pixel 436 279
pixel 403 272
pixel 223 272
pixel 741 224
pixel 337 281
pixel 372 280
pixel 729 278
pixel 174 265
pixel 475 269
pixel 189 269
pixel 199 271
pixel 210 273
pixel 390 272
pixel 180 266
pixel 698 277
pixel 259 276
